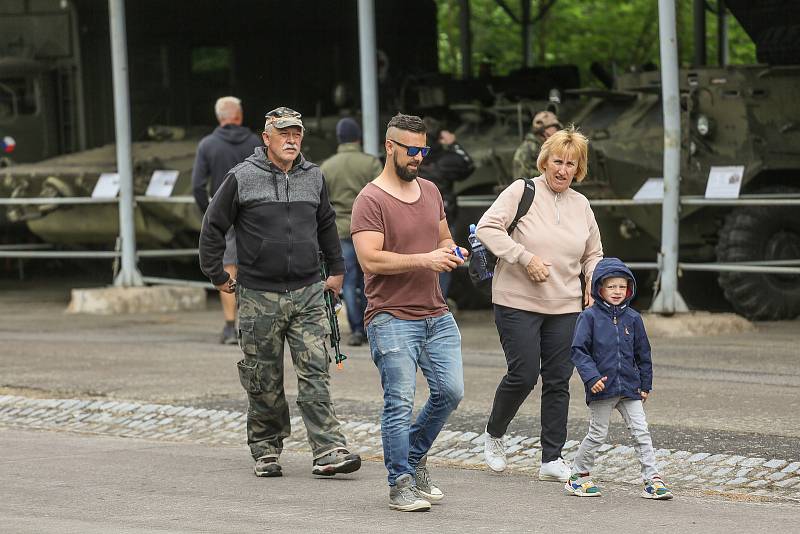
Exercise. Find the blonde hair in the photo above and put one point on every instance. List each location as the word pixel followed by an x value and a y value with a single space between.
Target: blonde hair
pixel 563 141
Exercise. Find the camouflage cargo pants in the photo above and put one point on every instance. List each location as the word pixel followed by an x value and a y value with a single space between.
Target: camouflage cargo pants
pixel 266 320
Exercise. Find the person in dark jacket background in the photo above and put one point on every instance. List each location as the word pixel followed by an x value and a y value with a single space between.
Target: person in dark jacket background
pixel 217 153
pixel 612 354
pixel 278 204
pixel 446 164
pixel 346 174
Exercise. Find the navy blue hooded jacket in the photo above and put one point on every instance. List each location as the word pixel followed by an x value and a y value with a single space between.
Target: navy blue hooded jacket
pixel 611 341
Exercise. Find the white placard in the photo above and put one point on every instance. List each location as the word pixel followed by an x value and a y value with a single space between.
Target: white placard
pixel 652 189
pixel 161 183
pixel 724 182
pixel 107 186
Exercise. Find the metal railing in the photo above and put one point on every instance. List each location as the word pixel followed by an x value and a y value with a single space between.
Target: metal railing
pixel 33 251
pixel 766 267
pixel 480 201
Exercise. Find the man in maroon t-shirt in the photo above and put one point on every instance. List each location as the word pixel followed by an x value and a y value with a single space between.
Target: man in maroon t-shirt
pixel 403 242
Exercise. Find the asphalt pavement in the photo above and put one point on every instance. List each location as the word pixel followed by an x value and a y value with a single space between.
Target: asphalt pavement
pixel 69 483
pixel 726 400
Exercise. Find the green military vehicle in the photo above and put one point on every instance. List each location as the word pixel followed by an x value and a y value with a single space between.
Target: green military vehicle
pixel 56 98
pixel 730 116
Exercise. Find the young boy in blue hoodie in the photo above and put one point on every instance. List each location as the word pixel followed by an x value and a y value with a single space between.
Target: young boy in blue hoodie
pixel 612 354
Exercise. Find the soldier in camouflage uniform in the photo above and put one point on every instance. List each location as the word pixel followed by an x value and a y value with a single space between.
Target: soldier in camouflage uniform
pixel 278 204
pixel 545 124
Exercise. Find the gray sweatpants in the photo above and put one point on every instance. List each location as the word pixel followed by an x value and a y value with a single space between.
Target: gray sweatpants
pixel 632 412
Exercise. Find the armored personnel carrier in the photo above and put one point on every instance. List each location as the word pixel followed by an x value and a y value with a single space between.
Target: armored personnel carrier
pixel 743 115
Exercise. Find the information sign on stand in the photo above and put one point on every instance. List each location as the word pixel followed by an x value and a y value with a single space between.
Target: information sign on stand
pixel 107 185
pixel 161 183
pixel 652 189
pixel 724 182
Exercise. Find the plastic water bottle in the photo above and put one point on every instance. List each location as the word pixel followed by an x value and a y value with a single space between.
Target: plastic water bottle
pixel 481 269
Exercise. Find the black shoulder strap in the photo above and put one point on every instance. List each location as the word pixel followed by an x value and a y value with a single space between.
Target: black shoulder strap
pixel 524 203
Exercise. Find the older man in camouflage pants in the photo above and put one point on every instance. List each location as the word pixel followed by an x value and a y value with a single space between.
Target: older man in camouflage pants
pixel 279 207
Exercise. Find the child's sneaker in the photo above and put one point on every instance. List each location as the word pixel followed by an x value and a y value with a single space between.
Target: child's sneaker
pixel 581 486
pixel 656 489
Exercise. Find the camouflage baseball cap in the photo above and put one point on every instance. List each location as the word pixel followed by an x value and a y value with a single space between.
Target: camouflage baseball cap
pixel 545 119
pixel 283 117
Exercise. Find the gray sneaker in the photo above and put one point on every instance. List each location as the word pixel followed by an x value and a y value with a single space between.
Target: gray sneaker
pixel 403 497
pixel 268 466
pixel 338 461
pixel 426 487
pixel 229 336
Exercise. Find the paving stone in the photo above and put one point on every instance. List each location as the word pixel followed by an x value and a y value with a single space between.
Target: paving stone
pixel 698 456
pixel 723 471
pixel 777 476
pixel 752 462
pixel 716 458
pixel 571 444
pixel 791 468
pixel 757 483
pixel 662 452
pixel 775 464
pixel 738 481
pixel 530 442
pixel 513 449
pixel 515 440
pixel 743 471
pixel 467 436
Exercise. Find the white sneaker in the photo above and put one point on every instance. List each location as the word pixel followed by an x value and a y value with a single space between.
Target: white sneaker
pixel 494 451
pixel 555 471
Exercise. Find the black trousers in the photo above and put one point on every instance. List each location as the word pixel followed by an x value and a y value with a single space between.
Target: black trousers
pixel 535 344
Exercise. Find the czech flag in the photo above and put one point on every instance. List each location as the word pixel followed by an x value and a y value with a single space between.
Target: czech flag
pixel 7 144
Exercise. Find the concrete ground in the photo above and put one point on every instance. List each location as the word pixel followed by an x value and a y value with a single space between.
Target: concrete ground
pixel 734 394
pixel 54 482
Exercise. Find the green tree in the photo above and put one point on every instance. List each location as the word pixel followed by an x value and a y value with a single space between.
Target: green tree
pixel 616 33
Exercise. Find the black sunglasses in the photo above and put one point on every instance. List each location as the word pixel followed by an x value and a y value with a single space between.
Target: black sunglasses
pixel 413 150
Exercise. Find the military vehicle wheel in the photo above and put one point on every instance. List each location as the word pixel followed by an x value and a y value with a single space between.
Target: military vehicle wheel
pixel 761 233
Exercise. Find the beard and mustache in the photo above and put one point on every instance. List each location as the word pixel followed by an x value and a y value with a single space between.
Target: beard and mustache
pixel 403 171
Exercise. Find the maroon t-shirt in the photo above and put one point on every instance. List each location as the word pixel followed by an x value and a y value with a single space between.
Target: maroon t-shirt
pixel 407 228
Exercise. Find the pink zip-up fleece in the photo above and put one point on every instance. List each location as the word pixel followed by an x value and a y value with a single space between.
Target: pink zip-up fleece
pixel 559 228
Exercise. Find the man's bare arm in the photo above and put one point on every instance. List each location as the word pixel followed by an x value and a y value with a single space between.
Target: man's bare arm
pixel 445 238
pixel 375 260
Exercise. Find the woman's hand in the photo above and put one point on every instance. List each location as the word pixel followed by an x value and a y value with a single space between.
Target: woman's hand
pixel 538 269
pixel 588 300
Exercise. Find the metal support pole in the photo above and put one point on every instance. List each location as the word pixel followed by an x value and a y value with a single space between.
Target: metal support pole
pixel 369 76
pixel 128 275
pixel 668 300
pixel 722 34
pixel 465 37
pixel 527 31
pixel 699 33
pixel 78 73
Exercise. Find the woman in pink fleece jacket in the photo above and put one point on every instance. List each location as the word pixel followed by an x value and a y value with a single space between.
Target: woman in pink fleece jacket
pixel 536 293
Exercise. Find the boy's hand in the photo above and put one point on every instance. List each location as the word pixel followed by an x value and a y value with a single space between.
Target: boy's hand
pixel 645 394
pixel 600 385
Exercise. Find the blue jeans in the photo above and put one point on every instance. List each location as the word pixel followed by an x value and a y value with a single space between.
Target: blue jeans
pixel 353 288
pixel 398 347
